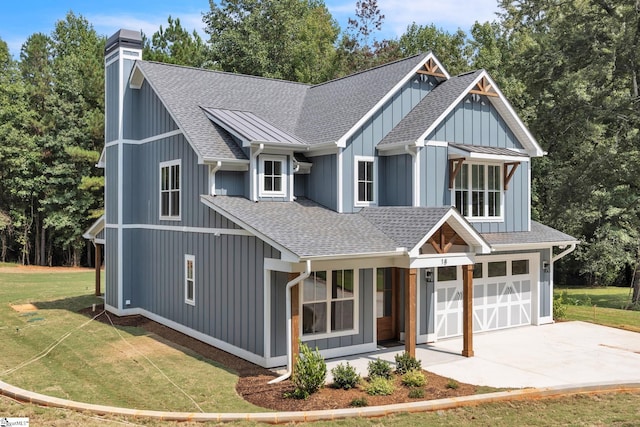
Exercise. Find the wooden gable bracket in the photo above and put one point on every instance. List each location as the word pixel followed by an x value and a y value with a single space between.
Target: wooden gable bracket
pixel 508 173
pixel 431 68
pixel 443 239
pixel 483 87
pixel 455 166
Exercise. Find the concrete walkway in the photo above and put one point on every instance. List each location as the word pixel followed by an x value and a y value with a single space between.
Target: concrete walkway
pixel 532 356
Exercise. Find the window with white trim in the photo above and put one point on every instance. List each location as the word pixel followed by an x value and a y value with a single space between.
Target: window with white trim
pixel 190 279
pixel 170 183
pixel 328 302
pixel 478 191
pixel 365 181
pixel 273 176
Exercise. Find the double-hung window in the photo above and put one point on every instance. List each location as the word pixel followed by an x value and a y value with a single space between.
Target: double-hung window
pixel 478 191
pixel 328 303
pixel 365 181
pixel 170 190
pixel 190 279
pixel 272 176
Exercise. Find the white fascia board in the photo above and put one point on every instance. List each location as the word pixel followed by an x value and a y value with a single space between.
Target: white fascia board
pixel 399 252
pixel 527 246
pixel 322 150
pixel 460 226
pixel 95 229
pixel 436 260
pixel 238 165
pixel 286 254
pixel 342 142
pixel 173 117
pixel 102 161
pixel 137 78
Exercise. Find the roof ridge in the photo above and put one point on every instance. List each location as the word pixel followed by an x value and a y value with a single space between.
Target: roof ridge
pixel 386 64
pixel 229 73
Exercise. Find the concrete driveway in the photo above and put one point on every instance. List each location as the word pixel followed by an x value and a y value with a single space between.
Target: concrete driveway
pixel 532 356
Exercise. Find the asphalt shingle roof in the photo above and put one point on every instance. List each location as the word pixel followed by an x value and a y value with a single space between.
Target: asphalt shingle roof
pixel 432 106
pixel 183 90
pixel 331 109
pixel 405 225
pixel 539 233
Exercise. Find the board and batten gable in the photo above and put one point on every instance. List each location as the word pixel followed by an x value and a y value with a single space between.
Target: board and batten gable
pixel 396 180
pixel 322 181
pixel 145 114
pixel 364 141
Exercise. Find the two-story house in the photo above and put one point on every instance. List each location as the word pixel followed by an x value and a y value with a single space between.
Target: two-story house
pixel 252 213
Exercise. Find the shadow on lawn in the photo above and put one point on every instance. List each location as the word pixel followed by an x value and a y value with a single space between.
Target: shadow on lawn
pixel 73 304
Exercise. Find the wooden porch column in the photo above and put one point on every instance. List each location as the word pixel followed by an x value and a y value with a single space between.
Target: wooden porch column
pixel 467 310
pixel 98 263
pixel 295 321
pixel 410 303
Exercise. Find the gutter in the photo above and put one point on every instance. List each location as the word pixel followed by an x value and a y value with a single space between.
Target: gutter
pixel 214 169
pixel 290 285
pixel 416 174
pixel 563 253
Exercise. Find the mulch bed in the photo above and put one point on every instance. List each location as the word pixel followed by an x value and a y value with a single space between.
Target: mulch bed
pixel 253 383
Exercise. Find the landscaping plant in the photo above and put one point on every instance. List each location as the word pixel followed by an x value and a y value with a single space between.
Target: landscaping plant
pixel 309 373
pixel 345 377
pixel 414 378
pixel 379 386
pixel 406 362
pixel 379 368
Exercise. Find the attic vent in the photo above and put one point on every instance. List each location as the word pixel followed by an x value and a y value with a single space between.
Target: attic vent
pixel 483 87
pixel 431 68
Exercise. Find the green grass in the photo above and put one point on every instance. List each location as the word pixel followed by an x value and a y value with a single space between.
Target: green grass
pixel 7 264
pixel 598 410
pixel 601 306
pixel 97 363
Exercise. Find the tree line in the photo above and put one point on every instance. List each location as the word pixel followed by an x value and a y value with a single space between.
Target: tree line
pixel 569 68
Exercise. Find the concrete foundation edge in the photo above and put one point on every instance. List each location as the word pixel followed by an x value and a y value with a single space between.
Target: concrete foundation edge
pixel 327 415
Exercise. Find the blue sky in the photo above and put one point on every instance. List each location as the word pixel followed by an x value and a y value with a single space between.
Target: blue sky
pixel 19 19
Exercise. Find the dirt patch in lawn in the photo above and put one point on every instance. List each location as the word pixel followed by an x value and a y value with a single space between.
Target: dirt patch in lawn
pixel 24 308
pixel 253 384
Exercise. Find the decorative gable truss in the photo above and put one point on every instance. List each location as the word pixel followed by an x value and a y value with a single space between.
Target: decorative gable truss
pixel 484 87
pixel 433 68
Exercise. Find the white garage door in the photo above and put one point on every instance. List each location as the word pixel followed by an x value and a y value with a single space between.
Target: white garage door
pixel 502 295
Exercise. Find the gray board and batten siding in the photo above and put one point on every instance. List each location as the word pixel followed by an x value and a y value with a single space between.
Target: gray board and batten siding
pixel 396 180
pixel 364 141
pixel 322 181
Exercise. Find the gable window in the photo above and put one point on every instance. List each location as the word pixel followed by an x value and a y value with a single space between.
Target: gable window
pixel 365 181
pixel 170 190
pixel 190 279
pixel 477 191
pixel 328 303
pixel 272 176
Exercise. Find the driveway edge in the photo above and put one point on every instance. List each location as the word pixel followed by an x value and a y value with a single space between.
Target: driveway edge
pixel 323 415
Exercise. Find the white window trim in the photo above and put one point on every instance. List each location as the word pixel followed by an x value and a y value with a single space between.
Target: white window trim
pixel 283 177
pixel 357 160
pixel 163 165
pixel 356 289
pixel 188 258
pixel 470 206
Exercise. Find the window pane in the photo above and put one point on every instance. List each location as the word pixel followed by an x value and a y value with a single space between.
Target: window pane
pixel 369 196
pixel 369 171
pixel 268 184
pixel 268 167
pixel 362 196
pixel 277 168
pixel 314 287
pixel 165 179
pixel 175 203
pixel 348 283
pixel 362 174
pixel 494 178
pixel 462 180
pixel 447 273
pixel 190 290
pixel 497 269
pixel 477 203
pixel 477 178
pixel 164 207
pixel 341 315
pixel 477 271
pixel 314 318
pixel 277 183
pixel 189 269
pixel 520 267
pixel 175 170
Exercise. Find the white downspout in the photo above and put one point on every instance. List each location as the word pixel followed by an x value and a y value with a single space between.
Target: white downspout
pixel 563 253
pixel 551 268
pixel 290 285
pixel 416 174
pixel 212 176
pixel 254 178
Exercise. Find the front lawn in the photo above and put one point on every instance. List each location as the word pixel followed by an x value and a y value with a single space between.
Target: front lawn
pixel 50 348
pixel 600 305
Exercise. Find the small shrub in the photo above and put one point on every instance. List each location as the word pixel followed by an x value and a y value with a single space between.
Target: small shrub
pixel 453 384
pixel 416 393
pixel 359 402
pixel 406 362
pixel 309 374
pixel 379 368
pixel 379 386
pixel 414 379
pixel 559 309
pixel 345 377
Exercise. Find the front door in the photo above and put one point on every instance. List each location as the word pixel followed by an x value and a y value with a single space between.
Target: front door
pixel 386 304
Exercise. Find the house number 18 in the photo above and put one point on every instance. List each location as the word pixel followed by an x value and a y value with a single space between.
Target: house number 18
pixel 443 261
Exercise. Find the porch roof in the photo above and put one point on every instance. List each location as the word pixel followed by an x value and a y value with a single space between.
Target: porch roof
pixel 306 229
